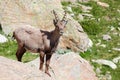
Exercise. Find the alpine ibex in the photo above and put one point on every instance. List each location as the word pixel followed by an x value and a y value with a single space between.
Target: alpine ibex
pixel 39 41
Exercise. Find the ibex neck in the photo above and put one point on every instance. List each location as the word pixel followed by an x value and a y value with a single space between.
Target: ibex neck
pixel 55 35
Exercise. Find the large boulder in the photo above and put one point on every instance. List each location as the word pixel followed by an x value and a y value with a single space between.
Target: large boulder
pixel 16 13
pixel 14 70
pixel 69 66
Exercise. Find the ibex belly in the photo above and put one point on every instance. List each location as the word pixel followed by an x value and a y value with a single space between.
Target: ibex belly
pixel 34 47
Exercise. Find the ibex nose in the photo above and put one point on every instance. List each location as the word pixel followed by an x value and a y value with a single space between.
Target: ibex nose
pixel 61 32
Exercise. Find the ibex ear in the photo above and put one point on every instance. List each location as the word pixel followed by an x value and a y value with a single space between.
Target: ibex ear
pixel 66 22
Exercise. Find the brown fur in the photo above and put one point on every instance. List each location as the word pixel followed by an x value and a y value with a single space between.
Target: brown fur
pixel 39 41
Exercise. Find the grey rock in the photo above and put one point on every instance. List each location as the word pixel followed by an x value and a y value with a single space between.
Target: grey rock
pixel 69 66
pixel 90 44
pixel 108 76
pixel 103 45
pixel 3 39
pixel 103 4
pixel 118 27
pixel 106 62
pixel 118 10
pixel 72 14
pixel 112 28
pixel 99 42
pixel 98 71
pixel 116 60
pixel 116 49
pixel 69 9
pixel 86 8
pixel 80 17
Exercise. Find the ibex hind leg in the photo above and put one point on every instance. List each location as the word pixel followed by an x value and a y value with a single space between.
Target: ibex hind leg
pixel 48 57
pixel 20 51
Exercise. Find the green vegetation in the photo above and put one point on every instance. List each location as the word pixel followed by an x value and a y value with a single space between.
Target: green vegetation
pixel 104 19
pixel 9 49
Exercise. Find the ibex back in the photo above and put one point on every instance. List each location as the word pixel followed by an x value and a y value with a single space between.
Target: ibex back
pixel 39 41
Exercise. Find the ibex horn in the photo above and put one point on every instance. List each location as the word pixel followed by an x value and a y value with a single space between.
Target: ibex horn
pixel 55 14
pixel 64 16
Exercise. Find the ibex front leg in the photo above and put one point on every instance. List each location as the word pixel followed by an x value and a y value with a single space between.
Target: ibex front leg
pixel 41 60
pixel 48 57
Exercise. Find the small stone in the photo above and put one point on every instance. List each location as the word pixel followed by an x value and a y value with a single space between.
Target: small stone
pixel 90 43
pixel 3 39
pixel 112 28
pixel 109 51
pixel 118 27
pixel 108 76
pixel 116 60
pixel 116 49
pixel 118 10
pixel 69 9
pixel 72 14
pixel 103 4
pixel 80 17
pixel 97 44
pixel 115 33
pixel 86 8
pixel 106 37
pixel 98 71
pixel 103 45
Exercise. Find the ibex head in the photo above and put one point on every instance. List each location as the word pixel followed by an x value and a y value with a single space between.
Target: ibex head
pixel 59 24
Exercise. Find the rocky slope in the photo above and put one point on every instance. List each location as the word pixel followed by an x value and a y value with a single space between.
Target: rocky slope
pixel 16 13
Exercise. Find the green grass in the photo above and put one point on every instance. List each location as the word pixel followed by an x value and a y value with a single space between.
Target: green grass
pixel 9 49
pixel 65 3
pixel 103 18
pixel 92 27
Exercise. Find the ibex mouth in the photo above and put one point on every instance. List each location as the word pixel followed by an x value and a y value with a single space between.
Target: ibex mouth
pixel 61 32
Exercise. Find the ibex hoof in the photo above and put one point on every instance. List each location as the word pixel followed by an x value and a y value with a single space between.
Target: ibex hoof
pixel 41 69
pixel 48 74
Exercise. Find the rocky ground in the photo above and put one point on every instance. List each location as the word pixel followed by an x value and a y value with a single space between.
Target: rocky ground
pixel 69 66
